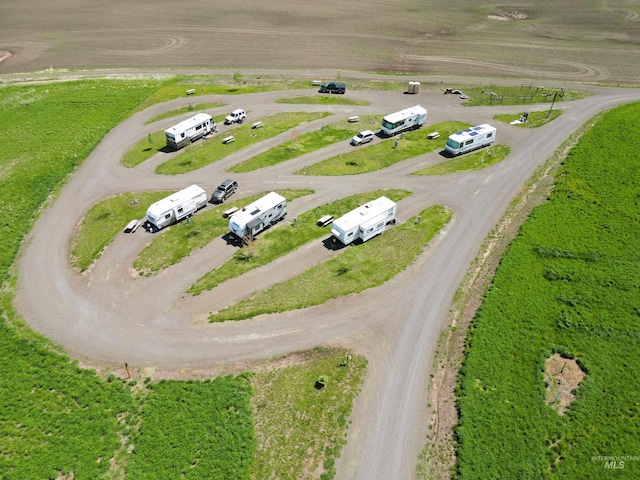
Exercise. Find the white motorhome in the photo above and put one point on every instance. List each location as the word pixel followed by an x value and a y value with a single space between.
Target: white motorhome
pixel 407 119
pixel 189 130
pixel 175 207
pixel 258 216
pixel 364 222
pixel 470 139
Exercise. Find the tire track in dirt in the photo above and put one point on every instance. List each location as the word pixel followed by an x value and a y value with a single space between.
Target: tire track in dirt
pixel 579 71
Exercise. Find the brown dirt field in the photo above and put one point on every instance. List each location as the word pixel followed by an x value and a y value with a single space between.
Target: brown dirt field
pixel 439 38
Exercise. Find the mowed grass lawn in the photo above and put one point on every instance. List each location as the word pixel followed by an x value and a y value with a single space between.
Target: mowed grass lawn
pixel 280 241
pixel 570 283
pixel 211 150
pixel 368 158
pixel 308 142
pixel 482 158
pixel 357 268
pixel 176 242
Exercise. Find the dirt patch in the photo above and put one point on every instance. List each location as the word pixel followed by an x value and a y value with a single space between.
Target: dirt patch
pixel 562 376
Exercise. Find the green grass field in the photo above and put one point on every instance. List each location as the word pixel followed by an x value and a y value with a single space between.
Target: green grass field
pixel 355 269
pixel 570 284
pixel 274 243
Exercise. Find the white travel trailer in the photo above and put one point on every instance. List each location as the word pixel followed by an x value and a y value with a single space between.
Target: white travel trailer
pixel 189 130
pixel 364 222
pixel 175 207
pixel 470 139
pixel 407 119
pixel 258 216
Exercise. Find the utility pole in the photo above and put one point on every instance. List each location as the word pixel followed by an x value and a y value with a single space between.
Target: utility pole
pixel 552 102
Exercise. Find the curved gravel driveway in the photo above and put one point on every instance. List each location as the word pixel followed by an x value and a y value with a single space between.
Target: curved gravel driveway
pixel 109 315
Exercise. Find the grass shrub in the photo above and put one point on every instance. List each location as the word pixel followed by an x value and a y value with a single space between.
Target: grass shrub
pixel 105 220
pixel 208 151
pixel 357 268
pixel 211 435
pixel 384 154
pixel 301 429
pixel 307 142
pixel 470 161
pixel 280 241
pixel 176 242
pixel 568 283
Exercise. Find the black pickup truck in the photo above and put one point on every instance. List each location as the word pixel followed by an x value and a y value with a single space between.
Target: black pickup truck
pixel 333 87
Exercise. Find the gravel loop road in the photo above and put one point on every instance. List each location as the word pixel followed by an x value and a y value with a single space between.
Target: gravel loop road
pixel 111 316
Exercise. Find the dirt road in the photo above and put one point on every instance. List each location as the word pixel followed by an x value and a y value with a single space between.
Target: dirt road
pixel 108 315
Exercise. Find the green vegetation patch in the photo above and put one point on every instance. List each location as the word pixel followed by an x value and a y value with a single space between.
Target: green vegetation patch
pixel 356 268
pixel 569 284
pixel 105 220
pixel 145 149
pixel 307 142
pixel 58 420
pixel 323 100
pixel 470 161
pixel 535 119
pixel 301 413
pixel 204 153
pixel 176 242
pixel 197 108
pixel 518 95
pixel 280 241
pixel 384 154
pixel 211 435
pixel 39 151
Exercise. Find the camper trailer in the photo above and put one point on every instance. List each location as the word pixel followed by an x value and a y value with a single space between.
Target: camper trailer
pixel 189 130
pixel 258 216
pixel 470 139
pixel 407 119
pixel 175 207
pixel 364 222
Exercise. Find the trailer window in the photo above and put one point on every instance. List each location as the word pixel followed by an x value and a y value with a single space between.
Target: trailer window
pixel 489 135
pixel 469 142
pixel 167 216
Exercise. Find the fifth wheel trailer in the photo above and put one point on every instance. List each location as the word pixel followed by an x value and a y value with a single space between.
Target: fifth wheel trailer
pixel 407 119
pixel 470 139
pixel 189 130
pixel 364 222
pixel 258 215
pixel 175 207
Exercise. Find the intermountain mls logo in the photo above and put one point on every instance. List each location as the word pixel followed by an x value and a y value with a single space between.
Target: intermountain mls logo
pixel 614 463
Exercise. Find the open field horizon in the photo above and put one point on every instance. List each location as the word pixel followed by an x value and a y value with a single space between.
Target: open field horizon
pixel 561 41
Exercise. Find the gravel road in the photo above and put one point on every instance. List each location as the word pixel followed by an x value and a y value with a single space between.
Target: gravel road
pixel 109 315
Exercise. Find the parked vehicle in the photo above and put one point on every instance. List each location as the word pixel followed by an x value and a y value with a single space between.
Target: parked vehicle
pixel 363 137
pixel 224 191
pixel 189 130
pixel 237 116
pixel 470 139
pixel 175 207
pixel 404 120
pixel 333 87
pixel 364 222
pixel 258 216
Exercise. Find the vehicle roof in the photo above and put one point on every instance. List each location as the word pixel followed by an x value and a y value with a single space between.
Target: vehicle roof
pixel 366 132
pixel 228 181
